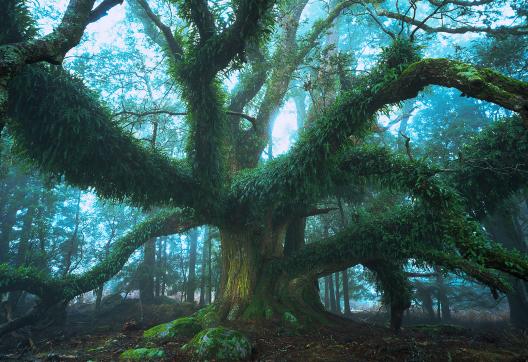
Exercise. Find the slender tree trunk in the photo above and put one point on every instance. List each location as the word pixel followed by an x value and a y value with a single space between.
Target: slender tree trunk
pixel 442 294
pixel 424 294
pixel 327 293
pixel 146 277
pixel 209 297
pixel 159 263
pixel 346 293
pixel 203 267
pixel 8 221
pixel 72 243
pixel 338 293
pixel 331 292
pixel 191 279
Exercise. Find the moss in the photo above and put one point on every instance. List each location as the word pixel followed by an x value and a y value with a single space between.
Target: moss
pixel 142 354
pixel 219 344
pixel 207 316
pixel 468 72
pixel 182 327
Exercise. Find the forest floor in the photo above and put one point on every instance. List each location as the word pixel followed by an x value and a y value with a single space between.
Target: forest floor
pixel 84 340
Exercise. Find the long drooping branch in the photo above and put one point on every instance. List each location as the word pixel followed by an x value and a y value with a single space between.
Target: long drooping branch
pixel 472 188
pixel 52 291
pixel 305 171
pixel 60 125
pixel 402 233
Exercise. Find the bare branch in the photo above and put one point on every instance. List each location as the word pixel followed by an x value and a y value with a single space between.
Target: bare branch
pixel 175 47
pixel 407 146
pixel 513 30
pixel 102 9
pixel 171 113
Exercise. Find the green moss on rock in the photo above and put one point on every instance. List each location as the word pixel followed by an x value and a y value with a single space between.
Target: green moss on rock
pixel 142 354
pixel 182 327
pixel 219 344
pixel 207 316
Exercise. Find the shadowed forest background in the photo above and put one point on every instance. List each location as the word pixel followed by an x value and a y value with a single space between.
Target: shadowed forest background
pixel 264 180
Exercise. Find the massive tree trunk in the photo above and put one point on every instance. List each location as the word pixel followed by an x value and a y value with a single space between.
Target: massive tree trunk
pixel 253 288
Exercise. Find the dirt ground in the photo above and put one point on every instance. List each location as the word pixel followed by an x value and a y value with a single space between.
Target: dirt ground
pixel 82 339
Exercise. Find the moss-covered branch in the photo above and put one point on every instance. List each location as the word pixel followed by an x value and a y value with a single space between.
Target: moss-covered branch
pixel 60 124
pixel 402 233
pixel 52 290
pixel 304 173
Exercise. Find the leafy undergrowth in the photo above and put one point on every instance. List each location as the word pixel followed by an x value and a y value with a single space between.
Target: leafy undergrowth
pixel 271 342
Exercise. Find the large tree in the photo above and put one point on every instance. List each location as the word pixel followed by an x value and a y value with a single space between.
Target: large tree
pixel 266 270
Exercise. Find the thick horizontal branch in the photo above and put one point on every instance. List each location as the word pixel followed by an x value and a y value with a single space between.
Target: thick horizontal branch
pixel 61 126
pixel 61 290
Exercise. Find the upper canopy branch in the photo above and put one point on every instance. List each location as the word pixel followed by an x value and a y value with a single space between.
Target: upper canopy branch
pixel 304 172
pixel 422 24
pixel 202 17
pixel 484 84
pixel 175 48
pixel 53 47
pixel 219 50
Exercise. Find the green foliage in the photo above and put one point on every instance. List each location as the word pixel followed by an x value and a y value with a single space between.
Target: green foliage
pixel 493 165
pixel 220 344
pixel 16 23
pixel 142 354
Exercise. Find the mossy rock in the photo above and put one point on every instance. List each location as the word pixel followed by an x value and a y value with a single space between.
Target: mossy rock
pixel 142 354
pixel 182 327
pixel 207 316
pixel 219 344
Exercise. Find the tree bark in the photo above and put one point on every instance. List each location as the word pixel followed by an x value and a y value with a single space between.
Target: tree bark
pixel 346 293
pixel 338 294
pixel 146 277
pixel 191 279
